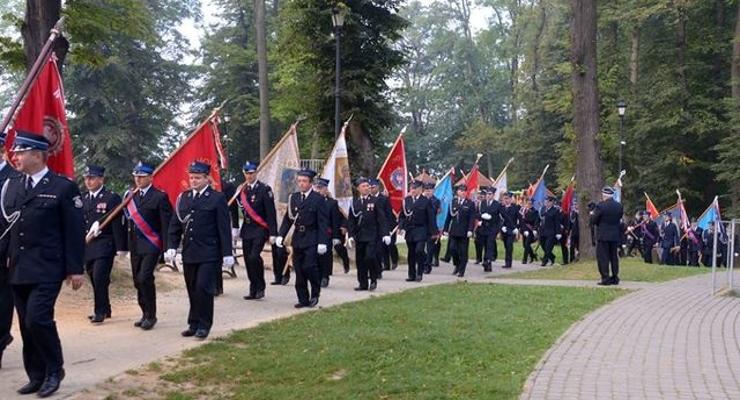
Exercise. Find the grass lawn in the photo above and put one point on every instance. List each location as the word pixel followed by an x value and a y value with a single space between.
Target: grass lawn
pixel 461 341
pixel 518 251
pixel 630 269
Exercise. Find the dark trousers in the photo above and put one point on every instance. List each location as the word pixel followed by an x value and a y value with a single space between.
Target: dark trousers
pixel 367 263
pixel 647 252
pixel 606 256
pixel 306 266
pixel 693 260
pixel 490 248
pixel 432 253
pixel 341 251
pixel 42 350
pixel 459 250
pixel 574 247
pixel 326 264
pixel 279 259
pixel 631 248
pixel 548 243
pixel 142 268
pixel 416 256
pixel 508 240
pixel 389 254
pixel 479 243
pixel 6 306
pixel 200 280
pixel 99 272
pixel 448 254
pixel 252 249
pixel 529 254
pixel 564 248
pixel 666 256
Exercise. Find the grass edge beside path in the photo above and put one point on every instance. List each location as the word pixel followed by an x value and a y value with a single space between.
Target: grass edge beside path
pixel 458 340
pixel 630 269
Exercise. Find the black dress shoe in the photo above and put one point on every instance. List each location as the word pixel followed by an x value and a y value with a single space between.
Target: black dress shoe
pixel 138 323
pixel 394 266
pixel 285 280
pixel 418 278
pixel 259 295
pixel 201 333
pixel 250 297
pixel 276 283
pixel 614 280
pixel 313 302
pixel 477 262
pixel 359 289
pixel 346 269
pixel 461 274
pixel 188 332
pixel 148 324
pixel 544 264
pixel 604 282
pixel 410 279
pixel 106 316
pixel 373 285
pixel 51 384
pixel 30 387
pixel 4 343
pixel 300 305
pixel 97 319
pixel 324 282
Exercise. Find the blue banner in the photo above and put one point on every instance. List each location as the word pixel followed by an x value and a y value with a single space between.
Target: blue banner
pixel 443 191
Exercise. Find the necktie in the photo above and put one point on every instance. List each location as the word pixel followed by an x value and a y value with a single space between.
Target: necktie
pixel 29 183
pixel 303 197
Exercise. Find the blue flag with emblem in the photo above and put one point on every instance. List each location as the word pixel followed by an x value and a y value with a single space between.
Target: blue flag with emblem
pixel 710 215
pixel 443 191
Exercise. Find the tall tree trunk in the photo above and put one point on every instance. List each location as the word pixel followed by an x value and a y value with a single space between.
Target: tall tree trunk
pixel 536 49
pixel 735 84
pixel 259 22
pixel 585 112
pixel 41 15
pixel 634 57
pixel 681 48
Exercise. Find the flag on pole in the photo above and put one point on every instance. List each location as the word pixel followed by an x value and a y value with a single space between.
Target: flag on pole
pixel 567 202
pixel 279 167
pixel 710 215
pixel 501 182
pixel 539 191
pixel 443 191
pixel 650 208
pixel 336 170
pixel 471 182
pixel 618 187
pixel 43 112
pixel 394 173
pixel 683 216
pixel 172 175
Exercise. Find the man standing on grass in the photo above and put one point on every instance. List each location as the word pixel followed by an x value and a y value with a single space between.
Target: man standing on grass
pixel 490 215
pixel 202 223
pixel 550 229
pixel 417 224
pixel 260 225
pixel 459 227
pixel 606 216
pixel 669 238
pixel 509 227
pixel 367 228
pixel 308 216
pixel 46 246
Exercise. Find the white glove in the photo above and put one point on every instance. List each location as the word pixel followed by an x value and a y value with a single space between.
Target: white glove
pixel 558 236
pixel 234 233
pixel 122 253
pixel 350 243
pixel 445 234
pixel 470 234
pixel 503 229
pixel 321 249
pixel 335 242
pixel 515 231
pixel 279 241
pixel 401 232
pixel 272 239
pixel 169 255
pixel 534 233
pixel 526 233
pixel 386 240
pixel 229 261
pixel 486 216
pixel 94 231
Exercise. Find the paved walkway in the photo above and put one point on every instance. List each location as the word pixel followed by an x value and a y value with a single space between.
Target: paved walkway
pixel 96 353
pixel 669 341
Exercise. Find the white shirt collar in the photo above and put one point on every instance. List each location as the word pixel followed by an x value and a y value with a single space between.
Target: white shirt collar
pixel 3 163
pixel 97 192
pixel 144 190
pixel 197 192
pixel 37 176
pixel 307 192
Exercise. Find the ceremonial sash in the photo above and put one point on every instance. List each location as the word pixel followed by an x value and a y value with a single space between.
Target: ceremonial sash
pixel 252 214
pixel 647 232
pixel 143 226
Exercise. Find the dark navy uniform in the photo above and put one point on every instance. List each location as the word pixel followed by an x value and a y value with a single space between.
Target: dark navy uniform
pixel 417 219
pixel 575 234
pixel 366 226
pixel 308 214
pixel 100 250
pixel 488 230
pixel 433 245
pixel 649 234
pixel 550 228
pixel 6 293
pixel 529 224
pixel 509 229
pixel 565 231
pixel 669 238
pixel 228 189
pixel 336 222
pixel 155 210
pixel 459 226
pixel 260 223
pixel 46 245
pixel 389 253
pixel 606 217
pixel 201 221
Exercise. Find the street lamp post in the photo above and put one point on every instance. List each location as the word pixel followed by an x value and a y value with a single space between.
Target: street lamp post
pixel 621 109
pixel 337 19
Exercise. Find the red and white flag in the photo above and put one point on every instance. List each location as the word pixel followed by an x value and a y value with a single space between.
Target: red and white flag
pixel 394 174
pixel 205 146
pixel 43 112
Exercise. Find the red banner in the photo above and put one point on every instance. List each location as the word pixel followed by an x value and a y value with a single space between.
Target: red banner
pixel 394 174
pixel 650 208
pixel 172 175
pixel 567 201
pixel 472 181
pixel 43 112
